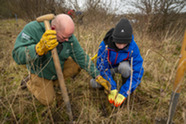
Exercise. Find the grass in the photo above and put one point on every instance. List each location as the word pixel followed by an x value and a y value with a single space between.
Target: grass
pixel 149 101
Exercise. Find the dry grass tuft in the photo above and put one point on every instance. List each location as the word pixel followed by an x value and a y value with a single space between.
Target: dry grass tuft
pixel 149 101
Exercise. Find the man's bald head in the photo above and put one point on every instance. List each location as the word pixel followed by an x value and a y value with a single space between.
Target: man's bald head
pixel 63 25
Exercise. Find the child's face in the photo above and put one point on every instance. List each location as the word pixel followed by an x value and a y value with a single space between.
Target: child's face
pixel 120 46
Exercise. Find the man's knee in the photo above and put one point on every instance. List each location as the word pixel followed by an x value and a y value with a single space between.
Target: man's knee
pixel 124 69
pixel 71 68
pixel 42 89
pixel 47 100
pixel 43 97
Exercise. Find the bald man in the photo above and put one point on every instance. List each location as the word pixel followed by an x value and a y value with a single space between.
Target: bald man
pixel 33 47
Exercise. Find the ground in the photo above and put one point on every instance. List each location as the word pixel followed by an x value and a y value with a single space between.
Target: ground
pixel 149 101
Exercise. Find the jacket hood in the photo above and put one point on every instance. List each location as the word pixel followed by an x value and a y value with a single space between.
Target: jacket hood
pixel 108 40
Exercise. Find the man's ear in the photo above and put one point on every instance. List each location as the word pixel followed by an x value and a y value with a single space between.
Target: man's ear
pixel 53 27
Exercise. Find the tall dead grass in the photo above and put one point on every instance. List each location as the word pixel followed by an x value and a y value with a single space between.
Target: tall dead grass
pixel 149 101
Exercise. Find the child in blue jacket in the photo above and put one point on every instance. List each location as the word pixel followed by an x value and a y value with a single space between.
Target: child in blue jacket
pixel 119 53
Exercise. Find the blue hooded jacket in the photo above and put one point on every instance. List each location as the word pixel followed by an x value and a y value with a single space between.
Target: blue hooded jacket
pixel 109 56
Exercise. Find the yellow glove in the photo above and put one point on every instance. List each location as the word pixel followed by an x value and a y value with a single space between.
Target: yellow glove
pixel 104 83
pixel 112 96
pixel 47 42
pixel 119 100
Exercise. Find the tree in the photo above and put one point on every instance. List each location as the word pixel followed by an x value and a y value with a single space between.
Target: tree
pixel 4 9
pixel 159 15
pixel 31 9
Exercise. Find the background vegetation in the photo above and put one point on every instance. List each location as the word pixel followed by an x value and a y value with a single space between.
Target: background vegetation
pixel 158 30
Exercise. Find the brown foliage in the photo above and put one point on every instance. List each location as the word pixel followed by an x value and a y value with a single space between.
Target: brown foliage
pixel 31 9
pixel 159 16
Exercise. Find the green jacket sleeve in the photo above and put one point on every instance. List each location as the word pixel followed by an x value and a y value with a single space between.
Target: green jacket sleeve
pixel 24 48
pixel 83 59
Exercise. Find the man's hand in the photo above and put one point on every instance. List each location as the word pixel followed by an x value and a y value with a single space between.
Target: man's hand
pixel 104 83
pixel 47 42
pixel 112 96
pixel 119 100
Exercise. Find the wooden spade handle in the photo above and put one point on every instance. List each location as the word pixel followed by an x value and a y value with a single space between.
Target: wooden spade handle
pixel 181 67
pixel 45 19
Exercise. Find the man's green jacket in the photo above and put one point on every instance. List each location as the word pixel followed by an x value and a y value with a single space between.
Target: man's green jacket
pixel 24 53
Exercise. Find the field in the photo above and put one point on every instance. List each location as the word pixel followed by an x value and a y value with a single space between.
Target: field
pixel 150 101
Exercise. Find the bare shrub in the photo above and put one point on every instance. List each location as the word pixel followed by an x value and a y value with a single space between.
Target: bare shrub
pixel 159 16
pixel 31 9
